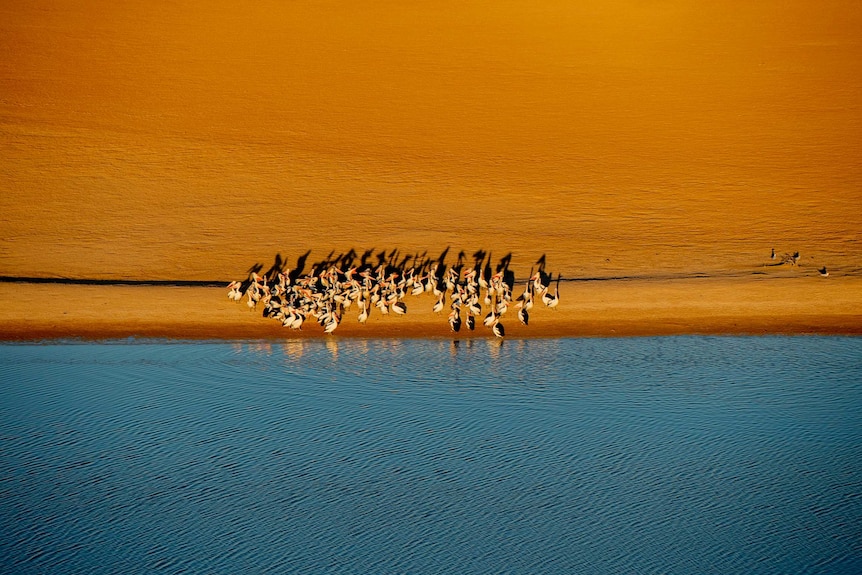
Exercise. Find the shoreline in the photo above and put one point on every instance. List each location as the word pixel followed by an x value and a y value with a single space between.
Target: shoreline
pixel 613 308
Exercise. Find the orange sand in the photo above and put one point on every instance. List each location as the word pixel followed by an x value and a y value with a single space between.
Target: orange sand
pixel 620 139
pixel 618 308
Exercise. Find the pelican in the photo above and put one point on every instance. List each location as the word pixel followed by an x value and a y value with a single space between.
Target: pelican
pixel 297 321
pixel 490 318
pixel 498 329
pixel 331 324
pixel 552 300
pixel 455 298
pixel 253 295
pixel 525 300
pixel 234 293
pixel 502 306
pixel 455 321
pixel 328 291
pixel 381 305
pixel 471 322
pixel 541 282
pixel 438 307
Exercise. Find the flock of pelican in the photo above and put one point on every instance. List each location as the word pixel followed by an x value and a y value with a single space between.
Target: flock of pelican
pixel 329 294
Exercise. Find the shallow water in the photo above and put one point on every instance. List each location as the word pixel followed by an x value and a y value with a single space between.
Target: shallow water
pixel 670 455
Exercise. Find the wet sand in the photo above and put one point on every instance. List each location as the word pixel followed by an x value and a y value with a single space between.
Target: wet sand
pixel 612 308
pixel 657 142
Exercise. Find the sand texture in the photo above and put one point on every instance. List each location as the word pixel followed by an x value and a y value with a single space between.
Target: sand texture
pixel 616 308
pixel 653 153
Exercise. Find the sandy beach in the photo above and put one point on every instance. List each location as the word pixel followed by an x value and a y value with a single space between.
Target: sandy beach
pixel 653 155
pixel 602 309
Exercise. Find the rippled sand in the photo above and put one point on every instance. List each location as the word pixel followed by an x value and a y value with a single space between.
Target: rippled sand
pixel 620 140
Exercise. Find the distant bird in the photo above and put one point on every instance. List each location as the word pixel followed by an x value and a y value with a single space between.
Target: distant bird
pixel 471 322
pixel 772 257
pixel 523 316
pixel 823 272
pixel 791 259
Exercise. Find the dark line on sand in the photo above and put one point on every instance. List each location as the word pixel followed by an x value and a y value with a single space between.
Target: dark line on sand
pixel 112 282
pixel 223 283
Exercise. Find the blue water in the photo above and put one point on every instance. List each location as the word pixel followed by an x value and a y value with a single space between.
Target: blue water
pixel 641 455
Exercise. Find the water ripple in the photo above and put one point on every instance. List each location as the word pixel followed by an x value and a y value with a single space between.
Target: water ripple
pixel 592 456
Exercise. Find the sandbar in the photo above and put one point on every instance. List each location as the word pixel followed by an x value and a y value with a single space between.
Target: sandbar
pixel 762 306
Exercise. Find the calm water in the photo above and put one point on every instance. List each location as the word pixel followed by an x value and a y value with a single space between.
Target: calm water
pixel 651 455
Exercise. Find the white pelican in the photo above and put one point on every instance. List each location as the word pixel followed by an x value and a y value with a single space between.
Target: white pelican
pixel 438 307
pixel 330 325
pixel 491 318
pixel 498 329
pixel 234 294
pixel 381 305
pixel 297 321
pixel 455 321
pixel 502 306
pixel 552 300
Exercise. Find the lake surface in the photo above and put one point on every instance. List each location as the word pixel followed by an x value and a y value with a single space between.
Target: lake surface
pixel 642 455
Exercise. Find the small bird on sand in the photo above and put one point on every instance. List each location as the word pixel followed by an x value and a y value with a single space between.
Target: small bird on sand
pixel 823 272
